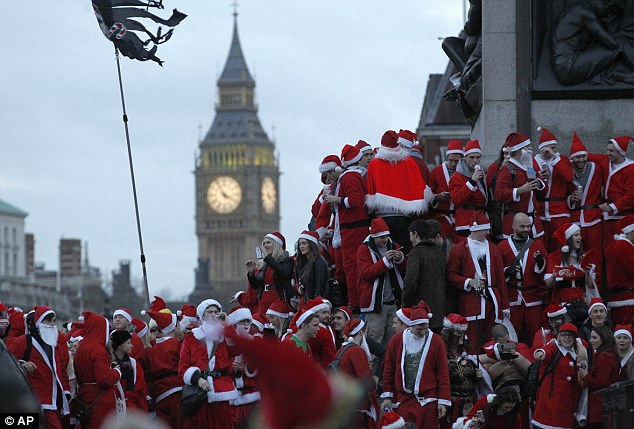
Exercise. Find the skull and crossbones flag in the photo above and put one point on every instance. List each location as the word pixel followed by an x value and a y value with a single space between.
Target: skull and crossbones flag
pixel 116 23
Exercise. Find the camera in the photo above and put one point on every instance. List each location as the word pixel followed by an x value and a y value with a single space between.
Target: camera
pixel 507 351
pixel 259 253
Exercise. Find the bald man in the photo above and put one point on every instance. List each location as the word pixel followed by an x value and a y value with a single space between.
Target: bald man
pixel 524 263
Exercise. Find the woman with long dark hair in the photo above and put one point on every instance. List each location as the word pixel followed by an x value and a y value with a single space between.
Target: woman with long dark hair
pixel 499 411
pixel 311 269
pixel 564 271
pixel 604 372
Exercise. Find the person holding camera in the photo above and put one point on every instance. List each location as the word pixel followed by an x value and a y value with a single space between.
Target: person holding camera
pixel 311 269
pixel 517 187
pixel 205 361
pixel 271 277
pixel 499 411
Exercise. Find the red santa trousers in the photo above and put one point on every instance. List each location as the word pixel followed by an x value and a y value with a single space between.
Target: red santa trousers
pixel 52 419
pixel 351 239
pixel 593 239
pixel 609 229
pixel 478 337
pixel 550 226
pixel 240 413
pixel 168 410
pixel 216 415
pixel 337 257
pixel 526 321
pixel 422 416
pixel 622 315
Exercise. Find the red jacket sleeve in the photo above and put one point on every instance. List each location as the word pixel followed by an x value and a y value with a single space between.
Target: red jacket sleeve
pixel 105 376
pixel 455 269
pixel 626 202
pixel 460 192
pixel 361 367
pixel 366 269
pixel 605 372
pixel 389 369
pixel 352 190
pixel 504 186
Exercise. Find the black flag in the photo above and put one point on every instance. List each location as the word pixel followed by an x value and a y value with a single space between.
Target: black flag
pixel 114 17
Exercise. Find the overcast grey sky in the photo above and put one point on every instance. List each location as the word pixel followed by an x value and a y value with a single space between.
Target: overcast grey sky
pixel 328 73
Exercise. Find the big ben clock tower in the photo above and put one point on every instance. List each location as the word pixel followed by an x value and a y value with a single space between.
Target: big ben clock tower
pixel 237 184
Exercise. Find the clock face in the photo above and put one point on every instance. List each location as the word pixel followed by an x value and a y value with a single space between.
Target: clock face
pixel 269 195
pixel 224 194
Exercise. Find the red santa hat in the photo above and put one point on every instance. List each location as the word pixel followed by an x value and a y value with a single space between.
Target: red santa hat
pixel 378 228
pixel 187 310
pixel 317 304
pixel 127 314
pixel 623 330
pixel 389 140
pixel 420 314
pixel 200 310
pixel 260 323
pixel 481 222
pixel 563 233
pixel 304 383
pixel 97 327
pixel 626 224
pixel 577 148
pixel 16 320
pixel 3 306
pixel 364 147
pixel 473 146
pixel 596 302
pixel 569 327
pixel 353 327
pixel 329 163
pixel 166 322
pixel 620 143
pixel 238 314
pixel 350 155
pixel 454 146
pixel 555 310
pixel 405 315
pixel 278 238
pixel 76 334
pixel 455 321
pixel 407 138
pixel 41 312
pixel 347 313
pixel 546 138
pixel 279 308
pixel 516 141
pixel 140 326
pixel 391 420
pixel 300 317
pixel 310 236
pixel 158 304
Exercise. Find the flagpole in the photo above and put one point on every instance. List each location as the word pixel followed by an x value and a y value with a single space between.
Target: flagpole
pixel 136 203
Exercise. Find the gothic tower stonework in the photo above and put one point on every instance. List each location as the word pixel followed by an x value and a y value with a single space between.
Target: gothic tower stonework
pixel 237 184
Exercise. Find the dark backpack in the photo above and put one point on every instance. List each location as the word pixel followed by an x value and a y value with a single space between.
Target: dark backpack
pixel 29 346
pixel 334 365
pixel 533 380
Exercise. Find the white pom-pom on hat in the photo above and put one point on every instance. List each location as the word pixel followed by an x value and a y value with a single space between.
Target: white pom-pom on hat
pixel 565 249
pixel 179 313
pixel 539 128
pixel 143 312
pixel 80 318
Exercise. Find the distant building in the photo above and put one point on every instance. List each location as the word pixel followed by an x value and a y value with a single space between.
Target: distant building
pixel 440 120
pixel 237 184
pixel 69 257
pixel 29 253
pixel 12 249
pixel 123 294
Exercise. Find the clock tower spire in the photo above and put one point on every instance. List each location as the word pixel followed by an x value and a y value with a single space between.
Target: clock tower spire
pixel 237 183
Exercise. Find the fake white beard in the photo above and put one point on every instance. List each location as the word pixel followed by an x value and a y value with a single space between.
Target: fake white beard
pixel 412 343
pixel 366 349
pixel 212 329
pixel 243 331
pixel 49 334
pixel 478 248
pixel 527 158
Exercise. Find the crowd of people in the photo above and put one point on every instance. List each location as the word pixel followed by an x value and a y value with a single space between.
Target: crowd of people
pixel 459 297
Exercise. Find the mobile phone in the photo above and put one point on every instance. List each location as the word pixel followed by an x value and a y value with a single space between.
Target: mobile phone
pixel 258 253
pixel 480 415
pixel 221 316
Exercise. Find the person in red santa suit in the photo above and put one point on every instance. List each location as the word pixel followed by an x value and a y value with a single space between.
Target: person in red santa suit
pixel 278 315
pixel 584 202
pixel 396 188
pixel 131 387
pixel 346 204
pixel 122 321
pixel 409 140
pixel 618 188
pixel 620 266
pixel 554 169
pixel 625 351
pixel 96 379
pixel 416 374
pixel 381 265
pixel 205 361
pixel 468 188
pixel 495 411
pixel 186 316
pixel 330 169
pixel 516 185
pixel 402 319
pixel 367 155
pixel 44 367
pixel 524 262
pixel 322 346
pixel 558 393
pixel 354 359
pixel 476 269
pixel 166 385
pixel 271 277
pixel 240 319
pixel 442 207
pixel 303 327
pixel 567 270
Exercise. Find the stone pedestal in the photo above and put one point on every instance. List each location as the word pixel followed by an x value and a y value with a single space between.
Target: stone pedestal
pixel 618 405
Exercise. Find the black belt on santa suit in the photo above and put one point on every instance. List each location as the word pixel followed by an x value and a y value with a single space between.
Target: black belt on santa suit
pixel 622 290
pixel 445 211
pixel 357 224
pixel 551 200
pixel 521 288
pixel 588 207
pixel 471 207
pixel 514 212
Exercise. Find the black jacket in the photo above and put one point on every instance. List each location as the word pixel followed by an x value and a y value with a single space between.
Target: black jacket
pixel 282 275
